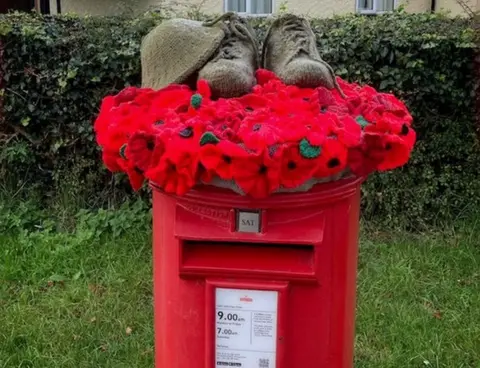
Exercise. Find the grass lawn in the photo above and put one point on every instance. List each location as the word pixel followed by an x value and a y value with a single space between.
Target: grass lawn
pixel 78 300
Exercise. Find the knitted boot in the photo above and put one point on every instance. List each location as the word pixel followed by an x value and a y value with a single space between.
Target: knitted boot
pixel 290 51
pixel 231 72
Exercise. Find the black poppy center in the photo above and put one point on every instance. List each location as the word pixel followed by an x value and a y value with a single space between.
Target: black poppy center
pixel 306 99
pixel 388 146
pixel 159 122
pixel 150 144
pixel 138 171
pixel 334 162
pixel 248 108
pixel 323 109
pixel 262 170
pixel 291 165
pixel 227 159
pixel 272 150
pixel 405 129
pixel 257 127
pixel 187 132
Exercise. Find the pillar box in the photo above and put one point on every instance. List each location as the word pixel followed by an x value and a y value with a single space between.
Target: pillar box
pixel 250 283
pixel 259 279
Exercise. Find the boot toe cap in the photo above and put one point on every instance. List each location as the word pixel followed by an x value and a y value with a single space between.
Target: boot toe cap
pixel 228 79
pixel 307 73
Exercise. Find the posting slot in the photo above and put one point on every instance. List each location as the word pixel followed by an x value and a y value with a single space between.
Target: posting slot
pixel 260 260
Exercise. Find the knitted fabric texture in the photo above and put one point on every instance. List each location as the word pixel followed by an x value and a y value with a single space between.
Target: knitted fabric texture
pixel 231 73
pixel 290 52
pixel 175 50
pixel 308 185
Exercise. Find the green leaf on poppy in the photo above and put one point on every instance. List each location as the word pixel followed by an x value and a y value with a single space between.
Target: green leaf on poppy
pixel 208 138
pixel 361 121
pixel 309 151
pixel 122 151
pixel 196 101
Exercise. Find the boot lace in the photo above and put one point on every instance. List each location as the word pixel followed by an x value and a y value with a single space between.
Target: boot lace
pixel 236 31
pixel 297 30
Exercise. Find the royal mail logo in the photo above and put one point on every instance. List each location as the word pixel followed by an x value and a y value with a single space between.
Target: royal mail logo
pixel 246 299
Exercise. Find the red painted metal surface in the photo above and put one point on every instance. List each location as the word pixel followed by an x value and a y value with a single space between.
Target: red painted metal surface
pixel 306 250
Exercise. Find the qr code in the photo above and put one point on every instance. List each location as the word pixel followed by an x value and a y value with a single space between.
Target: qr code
pixel 264 363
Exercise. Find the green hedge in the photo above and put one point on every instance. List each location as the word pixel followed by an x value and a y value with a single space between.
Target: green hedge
pixel 56 70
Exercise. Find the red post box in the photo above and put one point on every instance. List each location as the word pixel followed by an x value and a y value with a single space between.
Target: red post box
pixel 256 283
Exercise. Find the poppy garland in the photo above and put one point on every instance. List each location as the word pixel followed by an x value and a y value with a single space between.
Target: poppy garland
pixel 275 138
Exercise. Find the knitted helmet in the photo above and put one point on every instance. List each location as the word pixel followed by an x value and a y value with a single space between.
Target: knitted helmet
pixel 176 49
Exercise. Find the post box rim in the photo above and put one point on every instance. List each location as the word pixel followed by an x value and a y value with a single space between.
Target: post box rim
pixel 319 194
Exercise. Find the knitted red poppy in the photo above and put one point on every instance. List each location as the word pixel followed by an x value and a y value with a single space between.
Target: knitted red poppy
pixel 359 163
pixel 296 169
pixel 135 175
pixel 264 76
pixel 257 174
pixel 397 152
pixel 128 94
pixel 176 171
pixel 111 161
pixel 141 146
pixel 259 131
pixel 220 158
pixel 276 137
pixel 332 159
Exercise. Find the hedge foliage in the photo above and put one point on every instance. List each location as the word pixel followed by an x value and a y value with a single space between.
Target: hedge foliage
pixel 57 69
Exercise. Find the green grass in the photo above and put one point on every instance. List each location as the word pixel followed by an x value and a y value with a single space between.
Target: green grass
pixel 65 304
pixel 419 301
pixel 83 298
